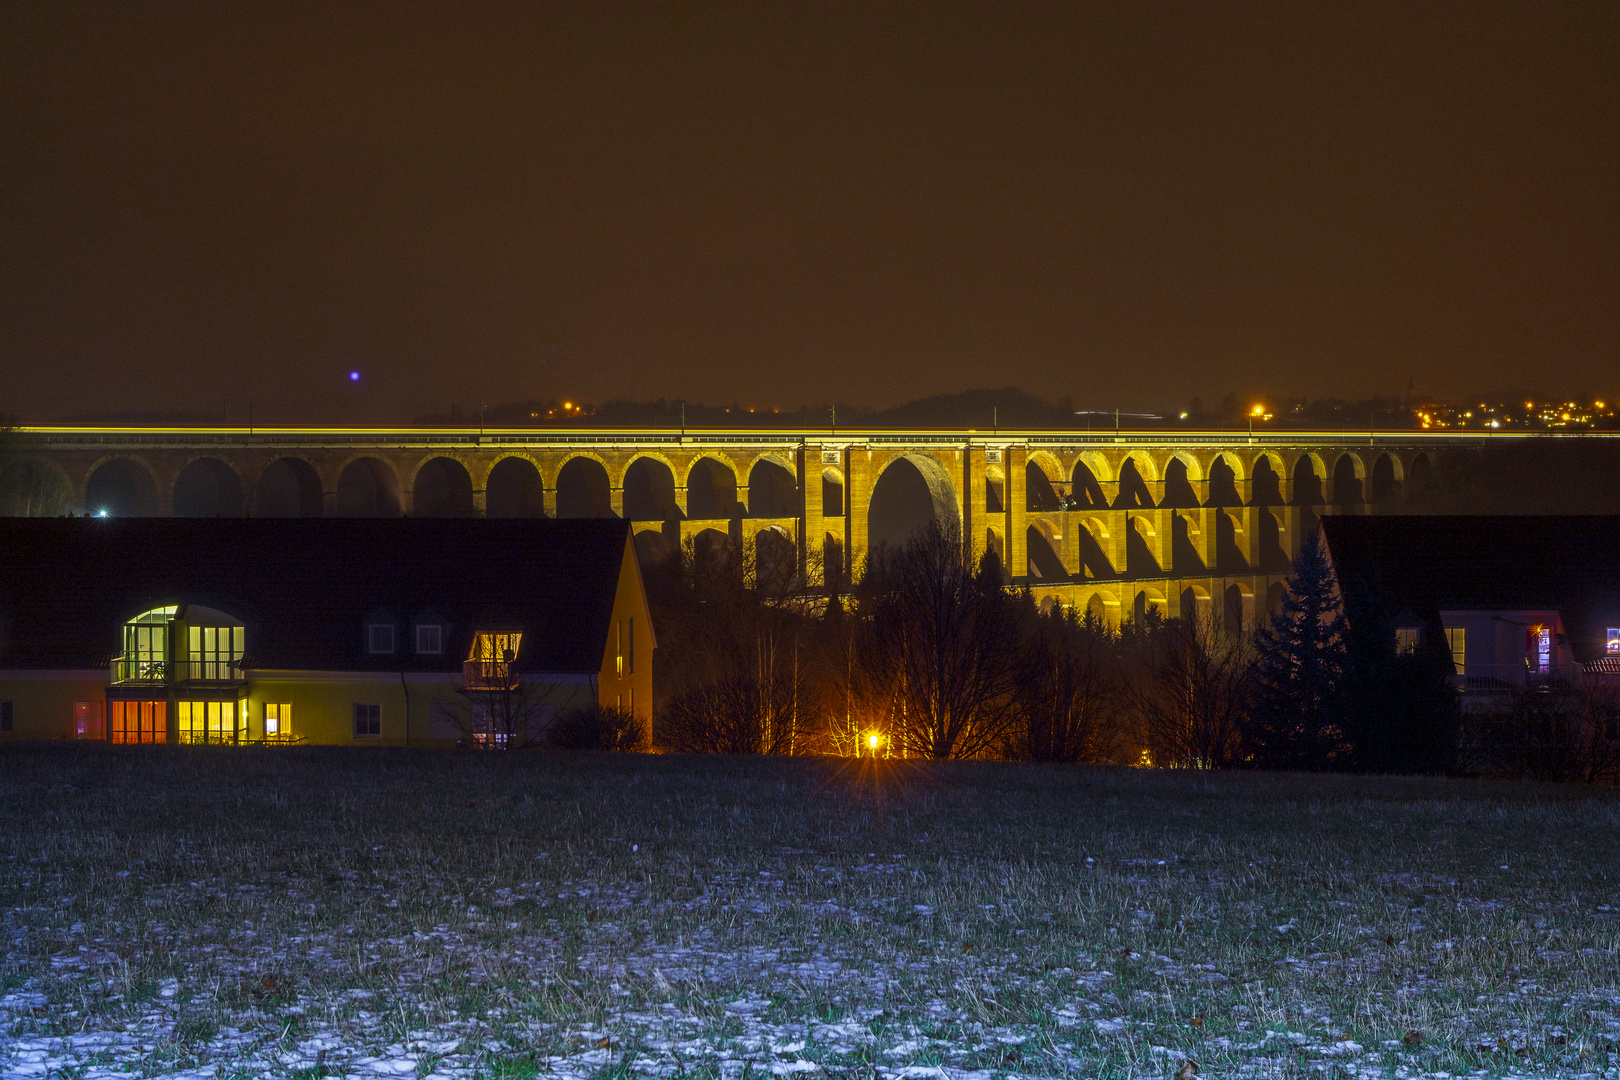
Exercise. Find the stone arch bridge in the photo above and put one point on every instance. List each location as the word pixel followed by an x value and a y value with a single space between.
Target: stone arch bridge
pixel 1114 522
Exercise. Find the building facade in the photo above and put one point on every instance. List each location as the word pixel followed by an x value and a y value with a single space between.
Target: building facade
pixel 397 633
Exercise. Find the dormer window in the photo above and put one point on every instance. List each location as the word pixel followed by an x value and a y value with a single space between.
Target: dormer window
pixel 380 637
pixel 430 639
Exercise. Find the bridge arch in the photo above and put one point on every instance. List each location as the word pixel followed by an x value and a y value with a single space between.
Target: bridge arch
pixel 368 487
pixel 514 488
pixel 711 489
pixel 1044 563
pixel 649 489
pixel 995 490
pixel 121 487
pixel 1181 472
pixel 1386 479
pixel 34 487
pixel 1266 476
pixel 442 488
pixel 1092 543
pixel 1085 484
pixel 1349 476
pixel 208 487
pixel 1149 598
pixel 1196 606
pixel 584 489
pixel 908 493
pixel 832 492
pixel 773 492
pixel 1224 469
pixel 289 487
pixel 1041 494
pixel 1102 605
pixel 1237 609
pixel 776 559
pixel 1309 473
pixel 1135 473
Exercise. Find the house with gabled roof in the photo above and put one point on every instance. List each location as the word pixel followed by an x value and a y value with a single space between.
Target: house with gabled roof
pixel 1515 600
pixel 377 632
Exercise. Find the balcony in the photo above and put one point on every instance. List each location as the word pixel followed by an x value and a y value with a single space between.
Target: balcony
pixel 488 675
pixel 134 671
pixel 213 671
pixel 1505 678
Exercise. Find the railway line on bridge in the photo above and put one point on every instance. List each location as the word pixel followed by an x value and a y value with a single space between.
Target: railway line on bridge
pixel 1111 521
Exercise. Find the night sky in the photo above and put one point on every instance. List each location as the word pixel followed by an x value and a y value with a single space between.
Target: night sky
pixel 794 203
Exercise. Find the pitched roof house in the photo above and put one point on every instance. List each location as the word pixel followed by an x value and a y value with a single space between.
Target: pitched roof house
pixel 325 630
pixel 1517 599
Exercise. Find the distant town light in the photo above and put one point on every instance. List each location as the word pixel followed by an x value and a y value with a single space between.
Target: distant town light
pixel 102 512
pixel 354 376
pixel 1184 416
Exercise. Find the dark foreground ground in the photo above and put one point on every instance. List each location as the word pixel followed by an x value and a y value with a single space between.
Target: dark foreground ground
pixel 200 912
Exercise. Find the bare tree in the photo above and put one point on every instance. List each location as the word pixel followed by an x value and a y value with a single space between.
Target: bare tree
pixel 1067 698
pixel 1565 731
pixel 600 727
pixel 1189 688
pixel 737 666
pixel 941 640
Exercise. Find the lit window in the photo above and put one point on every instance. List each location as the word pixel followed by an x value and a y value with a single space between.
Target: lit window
pixel 489 662
pixel 367 718
pixel 138 722
pixel 277 720
pixel 429 639
pixel 1539 649
pixel 207 721
pixel 1612 641
pixel 380 638
pixel 1455 638
pixel 146 647
pixel 216 652
pixel 1407 639
pixel 86 719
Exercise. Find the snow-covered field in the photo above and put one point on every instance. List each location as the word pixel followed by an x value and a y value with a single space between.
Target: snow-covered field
pixel 199 913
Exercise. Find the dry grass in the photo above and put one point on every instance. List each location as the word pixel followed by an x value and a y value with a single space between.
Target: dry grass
pixel 320 912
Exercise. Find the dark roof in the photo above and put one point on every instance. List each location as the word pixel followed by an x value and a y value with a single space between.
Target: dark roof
pixel 306 587
pixel 1568 564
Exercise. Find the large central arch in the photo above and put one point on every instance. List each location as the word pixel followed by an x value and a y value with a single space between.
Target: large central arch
pixel 912 492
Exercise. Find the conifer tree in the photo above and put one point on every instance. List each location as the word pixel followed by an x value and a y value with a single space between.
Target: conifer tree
pixel 1300 671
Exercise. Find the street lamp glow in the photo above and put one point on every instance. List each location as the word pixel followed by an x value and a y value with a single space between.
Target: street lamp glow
pixel 874 740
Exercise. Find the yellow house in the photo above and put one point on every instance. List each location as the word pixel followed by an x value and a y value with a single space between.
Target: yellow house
pixel 407 632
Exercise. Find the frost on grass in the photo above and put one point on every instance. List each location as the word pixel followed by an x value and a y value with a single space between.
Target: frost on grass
pixel 365 914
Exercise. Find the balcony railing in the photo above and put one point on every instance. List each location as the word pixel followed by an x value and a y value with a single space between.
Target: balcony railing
pixel 138 671
pixel 1502 678
pixel 213 671
pixel 487 675
pixel 132 670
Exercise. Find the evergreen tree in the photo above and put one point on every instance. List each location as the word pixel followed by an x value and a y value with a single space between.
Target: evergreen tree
pixel 1399 711
pixel 1294 723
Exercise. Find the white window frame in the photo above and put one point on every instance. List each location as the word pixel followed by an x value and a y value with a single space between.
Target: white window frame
pixel 372 632
pixel 373 714
pixel 437 632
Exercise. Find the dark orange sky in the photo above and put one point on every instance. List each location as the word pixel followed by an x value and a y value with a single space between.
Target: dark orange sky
pixel 781 203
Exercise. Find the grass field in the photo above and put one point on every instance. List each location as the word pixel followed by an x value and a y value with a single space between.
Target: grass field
pixel 313 912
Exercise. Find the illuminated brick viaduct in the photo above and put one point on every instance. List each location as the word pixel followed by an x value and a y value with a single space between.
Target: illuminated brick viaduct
pixel 1112 522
